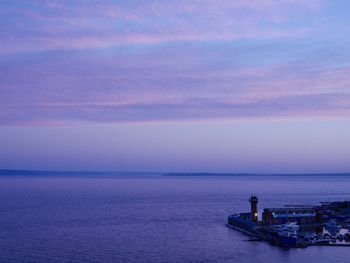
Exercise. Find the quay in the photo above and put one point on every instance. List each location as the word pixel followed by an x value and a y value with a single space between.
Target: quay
pixel 296 226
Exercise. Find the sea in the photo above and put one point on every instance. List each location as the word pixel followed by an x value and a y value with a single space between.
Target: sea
pixel 152 218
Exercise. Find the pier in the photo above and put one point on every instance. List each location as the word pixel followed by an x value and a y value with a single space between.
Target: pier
pixel 326 224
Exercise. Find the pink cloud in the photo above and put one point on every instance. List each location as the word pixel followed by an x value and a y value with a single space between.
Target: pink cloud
pixel 82 25
pixel 139 89
pixel 184 61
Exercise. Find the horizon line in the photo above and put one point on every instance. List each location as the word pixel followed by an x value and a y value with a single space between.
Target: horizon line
pixel 5 171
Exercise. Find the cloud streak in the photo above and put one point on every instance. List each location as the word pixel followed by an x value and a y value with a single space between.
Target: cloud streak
pixel 81 25
pixel 142 61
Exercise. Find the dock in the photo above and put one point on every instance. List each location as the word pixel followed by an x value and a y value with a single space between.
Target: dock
pixel 301 226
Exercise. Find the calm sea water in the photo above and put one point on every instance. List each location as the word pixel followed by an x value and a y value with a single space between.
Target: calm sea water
pixel 151 219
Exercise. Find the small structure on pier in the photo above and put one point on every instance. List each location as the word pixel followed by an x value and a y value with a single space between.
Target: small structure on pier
pixel 254 208
pixel 301 215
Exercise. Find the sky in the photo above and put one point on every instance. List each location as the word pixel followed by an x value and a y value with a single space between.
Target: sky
pixel 179 86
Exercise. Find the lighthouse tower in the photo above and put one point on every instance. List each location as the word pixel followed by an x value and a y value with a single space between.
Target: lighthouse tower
pixel 254 208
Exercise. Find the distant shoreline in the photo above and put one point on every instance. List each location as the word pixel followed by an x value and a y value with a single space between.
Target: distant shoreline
pixel 13 172
pixel 256 174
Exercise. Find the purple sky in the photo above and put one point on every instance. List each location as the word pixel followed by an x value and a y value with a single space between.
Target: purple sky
pixel 228 86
